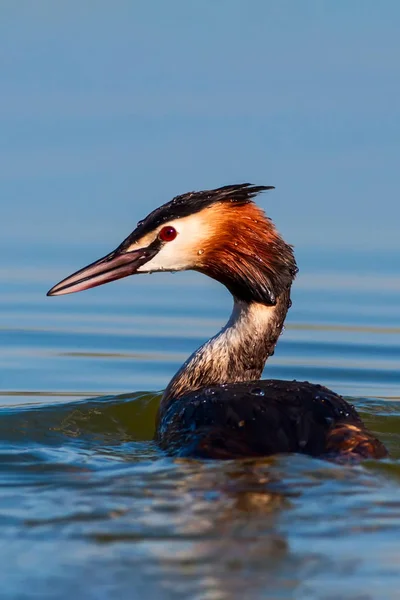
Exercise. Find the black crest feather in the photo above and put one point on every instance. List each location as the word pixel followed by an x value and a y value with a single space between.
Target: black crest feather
pixel 192 202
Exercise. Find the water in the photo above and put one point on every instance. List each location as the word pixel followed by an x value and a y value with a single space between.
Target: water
pixel 87 499
pixel 104 115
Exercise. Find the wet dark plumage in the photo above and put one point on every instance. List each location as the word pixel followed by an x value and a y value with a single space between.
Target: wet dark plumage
pixel 266 417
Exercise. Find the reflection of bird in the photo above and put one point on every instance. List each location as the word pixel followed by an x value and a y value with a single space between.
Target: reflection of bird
pixel 215 406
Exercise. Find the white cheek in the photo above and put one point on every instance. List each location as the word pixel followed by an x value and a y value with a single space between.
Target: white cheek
pixel 181 252
pixel 167 259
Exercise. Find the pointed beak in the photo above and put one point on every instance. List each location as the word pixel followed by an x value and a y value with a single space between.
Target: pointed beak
pixel 115 265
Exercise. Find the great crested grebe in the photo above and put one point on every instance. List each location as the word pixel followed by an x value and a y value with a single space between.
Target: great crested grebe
pixel 216 406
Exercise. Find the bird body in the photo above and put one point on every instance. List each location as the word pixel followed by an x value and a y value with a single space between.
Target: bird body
pixel 261 418
pixel 216 406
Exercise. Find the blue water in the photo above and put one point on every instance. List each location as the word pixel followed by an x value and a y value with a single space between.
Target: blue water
pixel 89 503
pixel 105 114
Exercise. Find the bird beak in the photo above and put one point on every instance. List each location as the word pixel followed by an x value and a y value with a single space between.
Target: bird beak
pixel 115 265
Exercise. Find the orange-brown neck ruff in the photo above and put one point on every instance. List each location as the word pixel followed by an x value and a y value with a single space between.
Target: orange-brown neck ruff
pixel 247 254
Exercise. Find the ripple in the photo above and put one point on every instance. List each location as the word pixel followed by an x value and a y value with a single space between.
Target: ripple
pixel 86 495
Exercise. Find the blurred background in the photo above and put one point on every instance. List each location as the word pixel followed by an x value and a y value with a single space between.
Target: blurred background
pixel 107 112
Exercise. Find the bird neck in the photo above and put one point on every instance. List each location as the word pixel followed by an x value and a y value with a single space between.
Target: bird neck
pixel 237 353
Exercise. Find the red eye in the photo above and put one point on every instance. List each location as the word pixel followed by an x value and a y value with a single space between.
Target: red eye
pixel 167 234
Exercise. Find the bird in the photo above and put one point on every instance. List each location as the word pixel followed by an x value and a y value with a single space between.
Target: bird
pixel 216 406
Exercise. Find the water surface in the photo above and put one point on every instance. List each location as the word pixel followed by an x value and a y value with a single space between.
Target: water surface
pixel 88 497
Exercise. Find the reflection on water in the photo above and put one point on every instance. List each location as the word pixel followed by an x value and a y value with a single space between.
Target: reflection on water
pixel 88 497
pixel 99 500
